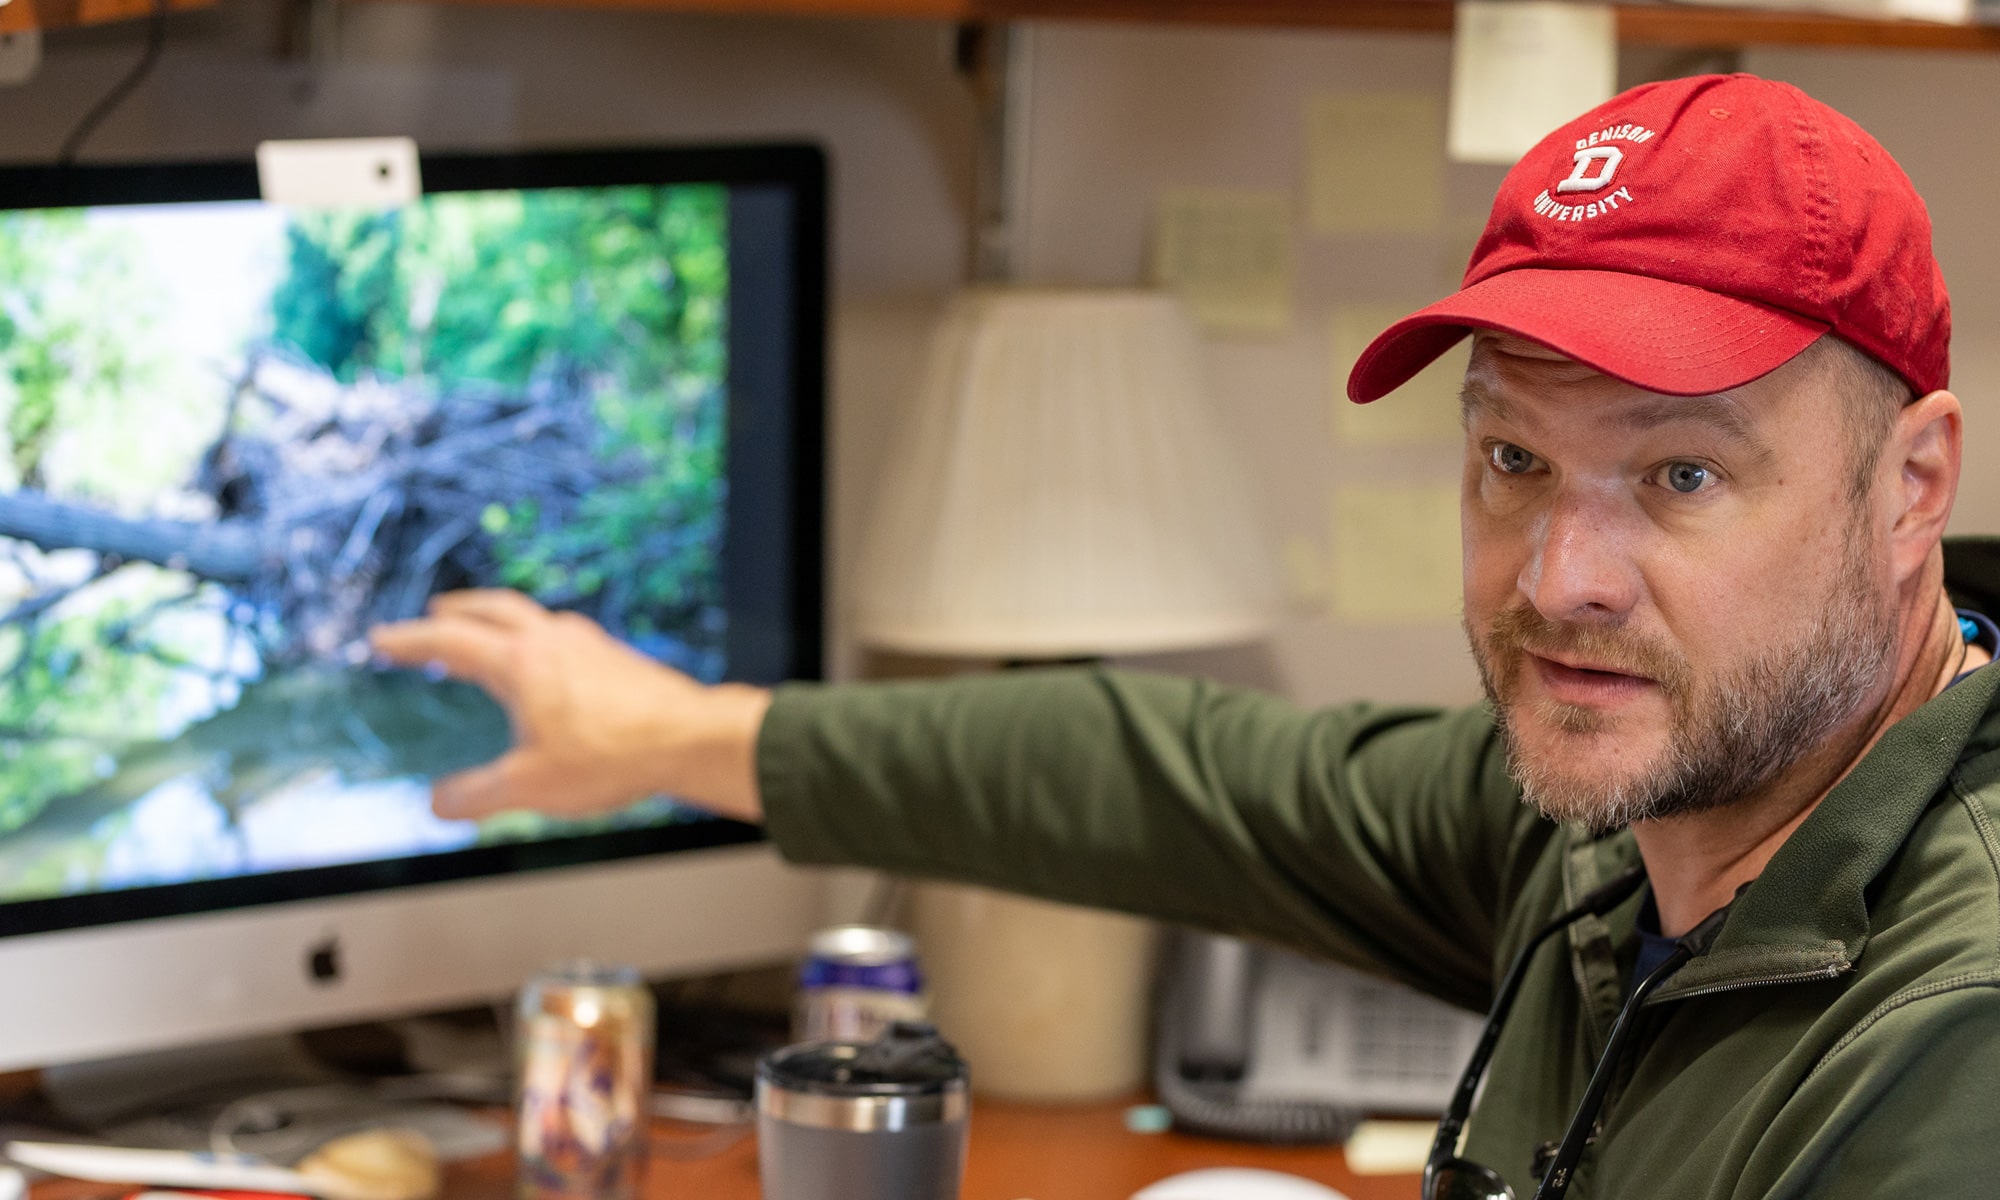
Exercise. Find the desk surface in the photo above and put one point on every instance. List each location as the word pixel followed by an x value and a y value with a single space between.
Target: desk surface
pixel 1018 1152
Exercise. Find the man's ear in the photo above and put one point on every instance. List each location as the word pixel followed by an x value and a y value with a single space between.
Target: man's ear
pixel 1923 452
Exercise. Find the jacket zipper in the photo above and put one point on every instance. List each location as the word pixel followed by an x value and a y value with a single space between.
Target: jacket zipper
pixel 1831 971
pixel 1631 1065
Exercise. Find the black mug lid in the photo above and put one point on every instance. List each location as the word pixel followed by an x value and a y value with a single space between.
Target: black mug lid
pixel 909 1059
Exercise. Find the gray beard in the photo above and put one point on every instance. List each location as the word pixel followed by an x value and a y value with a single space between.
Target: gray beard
pixel 1729 738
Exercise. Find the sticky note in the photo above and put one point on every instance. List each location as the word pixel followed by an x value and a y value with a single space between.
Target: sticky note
pixel 1375 163
pixel 1228 255
pixel 1396 554
pixel 1423 410
pixel 1390 1147
pixel 1519 68
pixel 1305 573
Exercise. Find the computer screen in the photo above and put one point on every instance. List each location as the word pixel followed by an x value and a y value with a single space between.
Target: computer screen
pixel 234 436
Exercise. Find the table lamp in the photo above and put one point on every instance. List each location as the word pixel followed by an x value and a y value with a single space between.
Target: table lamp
pixel 1058 491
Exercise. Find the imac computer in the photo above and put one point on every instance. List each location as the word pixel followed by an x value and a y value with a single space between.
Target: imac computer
pixel 234 436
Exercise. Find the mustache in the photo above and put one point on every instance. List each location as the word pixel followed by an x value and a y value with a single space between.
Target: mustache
pixel 1519 631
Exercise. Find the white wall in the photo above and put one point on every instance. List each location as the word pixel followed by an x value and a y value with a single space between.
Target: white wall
pixel 1118 111
pixel 1123 111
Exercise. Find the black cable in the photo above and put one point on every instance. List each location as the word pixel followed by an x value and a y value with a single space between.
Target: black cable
pixel 156 42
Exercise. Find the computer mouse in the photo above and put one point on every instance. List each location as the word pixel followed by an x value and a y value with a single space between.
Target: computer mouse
pixel 1236 1183
pixel 375 1164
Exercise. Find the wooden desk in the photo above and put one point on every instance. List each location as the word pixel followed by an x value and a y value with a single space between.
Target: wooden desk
pixel 1018 1152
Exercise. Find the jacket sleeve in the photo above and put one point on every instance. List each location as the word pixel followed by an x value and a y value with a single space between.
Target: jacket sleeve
pixel 1906 1108
pixel 1387 838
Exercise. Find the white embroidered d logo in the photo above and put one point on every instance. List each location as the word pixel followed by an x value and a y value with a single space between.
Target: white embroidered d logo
pixel 1606 159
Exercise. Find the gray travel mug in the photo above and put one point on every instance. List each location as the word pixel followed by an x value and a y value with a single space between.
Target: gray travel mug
pixel 883 1119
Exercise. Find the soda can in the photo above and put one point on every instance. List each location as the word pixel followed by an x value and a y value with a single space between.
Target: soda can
pixel 857 980
pixel 584 1050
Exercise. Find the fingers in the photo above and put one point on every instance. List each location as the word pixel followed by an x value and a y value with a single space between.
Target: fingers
pixel 462 649
pixel 466 635
pixel 494 606
pixel 497 787
pixel 523 779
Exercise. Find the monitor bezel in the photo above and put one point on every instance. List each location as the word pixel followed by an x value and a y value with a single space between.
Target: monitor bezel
pixel 798 168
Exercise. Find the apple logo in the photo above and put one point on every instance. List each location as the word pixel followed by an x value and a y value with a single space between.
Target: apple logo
pixel 323 961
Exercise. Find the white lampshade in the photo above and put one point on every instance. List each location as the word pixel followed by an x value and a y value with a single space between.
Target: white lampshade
pixel 1060 489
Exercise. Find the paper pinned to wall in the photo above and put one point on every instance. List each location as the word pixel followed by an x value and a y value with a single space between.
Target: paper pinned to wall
pixel 1520 68
pixel 1305 574
pixel 1396 555
pixel 1228 255
pixel 1423 410
pixel 1375 163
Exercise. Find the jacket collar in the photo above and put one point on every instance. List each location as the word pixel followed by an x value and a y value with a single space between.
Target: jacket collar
pixel 1807 915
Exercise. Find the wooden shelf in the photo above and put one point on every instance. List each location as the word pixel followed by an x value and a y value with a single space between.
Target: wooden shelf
pixel 1695 26
pixel 1647 24
pixel 19 15
pixel 1661 25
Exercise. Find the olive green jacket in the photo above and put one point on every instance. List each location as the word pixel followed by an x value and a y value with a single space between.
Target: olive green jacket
pixel 1841 1038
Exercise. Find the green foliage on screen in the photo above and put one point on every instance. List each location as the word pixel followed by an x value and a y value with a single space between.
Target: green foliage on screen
pixel 60 371
pixel 608 303
pixel 621 294
pixel 57 357
pixel 81 679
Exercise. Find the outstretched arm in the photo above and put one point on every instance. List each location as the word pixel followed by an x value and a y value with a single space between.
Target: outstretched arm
pixel 597 725
pixel 1383 837
pixel 1388 837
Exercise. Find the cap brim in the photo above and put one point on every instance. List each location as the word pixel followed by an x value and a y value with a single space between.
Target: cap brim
pixel 1662 336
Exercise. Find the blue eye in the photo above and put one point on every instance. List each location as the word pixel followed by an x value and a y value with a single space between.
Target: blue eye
pixel 1686 477
pixel 1511 459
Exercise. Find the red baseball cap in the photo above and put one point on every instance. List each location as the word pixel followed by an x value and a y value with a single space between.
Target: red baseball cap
pixel 1689 236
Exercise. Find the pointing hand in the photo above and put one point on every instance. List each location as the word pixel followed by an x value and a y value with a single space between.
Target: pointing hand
pixel 597 725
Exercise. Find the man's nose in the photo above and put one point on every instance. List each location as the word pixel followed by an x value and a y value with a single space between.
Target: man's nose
pixel 1580 566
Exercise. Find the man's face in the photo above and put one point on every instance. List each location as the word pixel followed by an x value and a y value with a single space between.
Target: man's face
pixel 1671 599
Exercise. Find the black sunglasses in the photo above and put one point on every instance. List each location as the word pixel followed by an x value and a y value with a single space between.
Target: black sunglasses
pixel 1449 1177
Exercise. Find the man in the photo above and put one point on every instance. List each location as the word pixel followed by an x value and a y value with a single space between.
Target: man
pixel 1709 461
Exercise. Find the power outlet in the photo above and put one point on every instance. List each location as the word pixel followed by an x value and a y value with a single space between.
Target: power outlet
pixel 20 55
